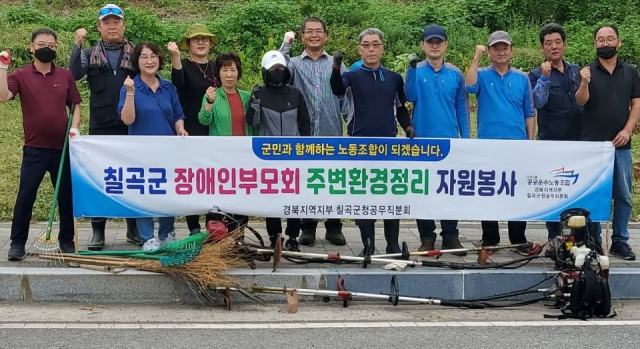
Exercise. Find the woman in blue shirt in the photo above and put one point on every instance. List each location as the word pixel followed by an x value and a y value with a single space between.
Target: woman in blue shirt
pixel 149 105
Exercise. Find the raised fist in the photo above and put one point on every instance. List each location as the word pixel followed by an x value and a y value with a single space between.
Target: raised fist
pixel 172 47
pixel 81 34
pixel 413 59
pixel 480 50
pixel 585 74
pixel 255 90
pixel 129 85
pixel 338 56
pixel 546 69
pixel 5 59
pixel 211 94
pixel 288 38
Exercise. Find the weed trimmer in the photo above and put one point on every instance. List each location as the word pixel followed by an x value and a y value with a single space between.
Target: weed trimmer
pixel 45 241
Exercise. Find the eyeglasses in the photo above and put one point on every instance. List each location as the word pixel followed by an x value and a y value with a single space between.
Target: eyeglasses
pixel 374 46
pixel 204 39
pixel 148 58
pixel 107 10
pixel 42 44
pixel 608 40
pixel 311 32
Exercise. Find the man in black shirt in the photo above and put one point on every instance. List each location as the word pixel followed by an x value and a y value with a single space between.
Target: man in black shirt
pixel 609 90
pixel 106 65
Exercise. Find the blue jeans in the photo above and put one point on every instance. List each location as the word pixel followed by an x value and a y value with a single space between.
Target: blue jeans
pixel 621 195
pixel 145 227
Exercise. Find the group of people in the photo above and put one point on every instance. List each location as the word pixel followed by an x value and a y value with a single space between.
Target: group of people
pixel 307 95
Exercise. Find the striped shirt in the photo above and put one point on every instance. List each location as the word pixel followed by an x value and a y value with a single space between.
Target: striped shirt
pixel 312 78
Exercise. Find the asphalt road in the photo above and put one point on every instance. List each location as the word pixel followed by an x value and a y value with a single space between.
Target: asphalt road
pixel 401 337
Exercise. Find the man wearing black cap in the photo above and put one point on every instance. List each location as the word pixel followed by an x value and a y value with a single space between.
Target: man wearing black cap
pixel 505 111
pixel 106 65
pixel 441 110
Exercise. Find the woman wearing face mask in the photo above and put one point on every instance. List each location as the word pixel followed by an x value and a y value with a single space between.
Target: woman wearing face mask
pixel 223 110
pixel 149 105
pixel 279 110
pixel 192 76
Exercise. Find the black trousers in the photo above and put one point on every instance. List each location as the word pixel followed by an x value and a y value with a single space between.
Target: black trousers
pixel 491 232
pixel 329 224
pixel 35 163
pixel 274 227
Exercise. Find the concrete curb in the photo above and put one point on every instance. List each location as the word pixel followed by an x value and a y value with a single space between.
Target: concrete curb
pixel 81 285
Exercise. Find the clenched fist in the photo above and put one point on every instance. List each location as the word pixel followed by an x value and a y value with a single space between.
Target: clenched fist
pixel 172 47
pixel 5 59
pixel 288 38
pixel 129 85
pixel 211 94
pixel 480 50
pixel 546 69
pixel 81 35
pixel 585 74
pixel 413 59
pixel 338 56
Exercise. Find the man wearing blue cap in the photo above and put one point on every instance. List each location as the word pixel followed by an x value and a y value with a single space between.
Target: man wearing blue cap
pixel 106 65
pixel 441 110
pixel 505 111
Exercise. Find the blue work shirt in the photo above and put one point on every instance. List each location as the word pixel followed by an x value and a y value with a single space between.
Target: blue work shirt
pixel 504 102
pixel 553 97
pixel 156 113
pixel 440 101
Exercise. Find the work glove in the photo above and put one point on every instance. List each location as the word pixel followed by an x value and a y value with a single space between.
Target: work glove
pixel 74 132
pixel 413 60
pixel 254 91
pixel 5 59
pixel 338 56
pixel 287 42
pixel 410 132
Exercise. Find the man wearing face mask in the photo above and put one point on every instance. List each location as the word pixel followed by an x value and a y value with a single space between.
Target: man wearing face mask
pixel 279 110
pixel 607 87
pixel 106 65
pixel 45 93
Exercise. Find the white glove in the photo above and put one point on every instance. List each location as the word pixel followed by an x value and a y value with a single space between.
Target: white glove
pixel 398 266
pixel 5 59
pixel 288 38
pixel 74 132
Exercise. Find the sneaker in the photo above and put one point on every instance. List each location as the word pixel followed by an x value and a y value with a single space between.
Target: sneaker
pixel 150 245
pixel 195 232
pixel 427 245
pixel 621 250
pixel 272 245
pixel 453 244
pixel 335 237
pixel 67 247
pixel 292 245
pixel 171 237
pixel 16 253
pixel 134 238
pixel 308 237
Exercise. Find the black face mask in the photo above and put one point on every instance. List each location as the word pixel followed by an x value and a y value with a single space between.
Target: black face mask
pixel 276 77
pixel 45 54
pixel 606 52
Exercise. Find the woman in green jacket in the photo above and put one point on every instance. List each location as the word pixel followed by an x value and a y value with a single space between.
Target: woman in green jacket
pixel 223 109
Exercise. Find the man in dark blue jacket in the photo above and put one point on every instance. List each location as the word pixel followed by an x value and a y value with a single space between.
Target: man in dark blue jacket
pixel 553 85
pixel 379 99
pixel 106 65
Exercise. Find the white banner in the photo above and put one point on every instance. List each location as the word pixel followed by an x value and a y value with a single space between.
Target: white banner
pixel 346 177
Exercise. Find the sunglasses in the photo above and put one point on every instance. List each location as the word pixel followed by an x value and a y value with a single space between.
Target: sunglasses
pixel 110 10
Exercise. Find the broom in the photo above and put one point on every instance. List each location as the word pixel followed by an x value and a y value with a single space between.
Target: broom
pixel 46 242
pixel 207 268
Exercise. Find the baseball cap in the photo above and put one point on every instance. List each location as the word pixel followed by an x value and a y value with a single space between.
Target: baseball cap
pixel 434 31
pixel 272 58
pixel 110 10
pixel 499 36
